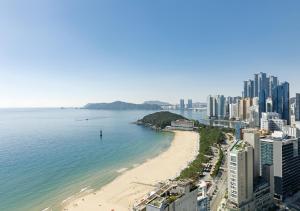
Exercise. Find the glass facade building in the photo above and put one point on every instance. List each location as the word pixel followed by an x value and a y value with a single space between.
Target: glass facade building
pixel 283 154
pixel 267 87
pixel 281 101
pixel 297 109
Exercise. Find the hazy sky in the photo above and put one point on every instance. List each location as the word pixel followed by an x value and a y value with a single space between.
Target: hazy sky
pixel 68 53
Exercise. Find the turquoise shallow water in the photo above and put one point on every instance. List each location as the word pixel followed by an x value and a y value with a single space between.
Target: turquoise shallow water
pixel 47 155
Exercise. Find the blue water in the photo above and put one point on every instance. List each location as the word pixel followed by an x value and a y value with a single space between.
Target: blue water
pixel 47 155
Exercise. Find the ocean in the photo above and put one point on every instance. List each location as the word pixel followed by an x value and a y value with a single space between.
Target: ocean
pixel 50 155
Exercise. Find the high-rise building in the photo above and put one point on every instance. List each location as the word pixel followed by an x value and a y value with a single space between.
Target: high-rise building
pixel 216 106
pixel 233 111
pixel 281 101
pixel 242 109
pixel 244 106
pixel 245 89
pixel 269 105
pixel 209 106
pixel 283 153
pixel 240 176
pixel 254 116
pixel 255 85
pixel 248 103
pixel 221 106
pixel 255 101
pixel 293 121
pixel 238 131
pixel 251 88
pixel 297 107
pixel 182 105
pixel 271 122
pixel 262 91
pixel 247 190
pixel 252 136
pixel 273 83
pixel 267 172
pixel 248 89
pixel 190 104
pixel 272 97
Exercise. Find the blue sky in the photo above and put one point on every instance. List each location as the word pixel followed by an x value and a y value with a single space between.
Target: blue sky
pixel 68 53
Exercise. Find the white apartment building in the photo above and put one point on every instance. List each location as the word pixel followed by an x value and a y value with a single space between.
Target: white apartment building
pixel 291 131
pixel 240 176
pixel 270 121
pixel 233 111
pixel 254 116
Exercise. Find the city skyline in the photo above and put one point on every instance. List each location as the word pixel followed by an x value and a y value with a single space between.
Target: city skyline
pixel 70 53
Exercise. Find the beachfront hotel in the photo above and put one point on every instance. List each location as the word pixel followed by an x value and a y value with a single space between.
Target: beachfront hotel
pixel 181 124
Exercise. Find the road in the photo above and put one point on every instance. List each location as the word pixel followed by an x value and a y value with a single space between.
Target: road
pixel 221 185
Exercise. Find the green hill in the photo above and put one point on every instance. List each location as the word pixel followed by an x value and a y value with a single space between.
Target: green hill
pixel 160 120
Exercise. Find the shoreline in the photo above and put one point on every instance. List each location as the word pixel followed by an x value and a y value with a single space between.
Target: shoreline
pixel 135 183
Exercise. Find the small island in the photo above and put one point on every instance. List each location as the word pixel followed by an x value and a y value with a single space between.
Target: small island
pixel 166 120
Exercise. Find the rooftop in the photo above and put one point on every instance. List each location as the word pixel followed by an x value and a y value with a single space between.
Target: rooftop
pixel 157 202
pixel 239 146
pixel 278 137
pixel 165 194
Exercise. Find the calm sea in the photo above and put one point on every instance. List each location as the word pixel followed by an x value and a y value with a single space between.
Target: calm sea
pixel 48 155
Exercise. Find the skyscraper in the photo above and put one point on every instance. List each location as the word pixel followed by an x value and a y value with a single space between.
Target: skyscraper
pixel 281 99
pixel 240 175
pixel 251 136
pixel 221 106
pixel 283 154
pixel 248 89
pixel 251 88
pixel 247 190
pixel 216 106
pixel 273 83
pixel 233 111
pixel 182 106
pixel 255 85
pixel 269 105
pixel 190 104
pixel 210 106
pixel 245 93
pixel 254 116
pixel 297 110
pixel 267 89
pixel 262 91
pixel 244 105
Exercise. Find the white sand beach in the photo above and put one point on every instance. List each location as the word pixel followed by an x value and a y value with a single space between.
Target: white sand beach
pixel 134 184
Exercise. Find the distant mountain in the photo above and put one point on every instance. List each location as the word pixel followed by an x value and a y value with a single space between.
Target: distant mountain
pixel 119 105
pixel 156 102
pixel 159 120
